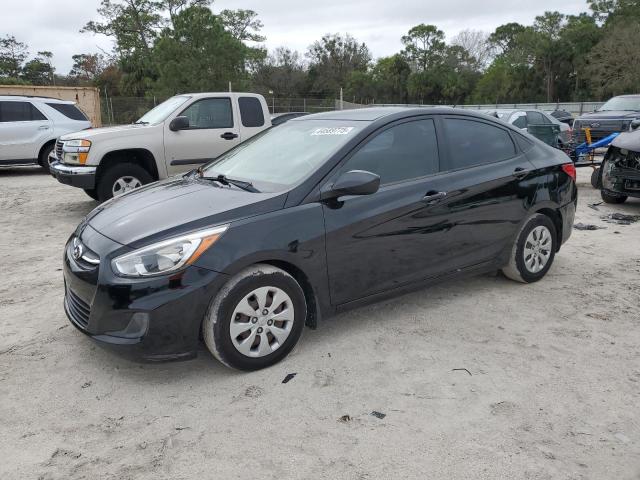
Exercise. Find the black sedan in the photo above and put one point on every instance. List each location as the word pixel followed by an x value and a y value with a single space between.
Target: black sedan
pixel 322 214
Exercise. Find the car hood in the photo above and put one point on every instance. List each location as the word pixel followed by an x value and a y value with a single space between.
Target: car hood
pixel 118 130
pixel 628 140
pixel 174 206
pixel 609 115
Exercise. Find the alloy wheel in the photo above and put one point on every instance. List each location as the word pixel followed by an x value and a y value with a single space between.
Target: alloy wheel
pixel 124 185
pixel 262 321
pixel 537 249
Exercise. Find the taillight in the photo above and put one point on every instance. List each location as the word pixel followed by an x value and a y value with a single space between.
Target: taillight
pixel 570 169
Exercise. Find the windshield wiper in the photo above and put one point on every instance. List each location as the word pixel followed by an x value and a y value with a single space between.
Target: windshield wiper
pixel 224 180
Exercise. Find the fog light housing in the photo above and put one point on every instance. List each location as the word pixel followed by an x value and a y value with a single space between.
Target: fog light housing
pixel 137 327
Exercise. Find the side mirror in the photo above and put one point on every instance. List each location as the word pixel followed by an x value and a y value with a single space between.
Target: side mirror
pixel 635 124
pixel 179 123
pixel 353 182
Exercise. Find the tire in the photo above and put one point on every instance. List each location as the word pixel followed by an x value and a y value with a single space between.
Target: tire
pixel 520 264
pixel 43 160
pixel 612 198
pixel 127 172
pixel 92 193
pixel 595 178
pixel 236 294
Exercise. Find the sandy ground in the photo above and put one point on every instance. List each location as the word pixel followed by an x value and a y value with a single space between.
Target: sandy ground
pixel 552 389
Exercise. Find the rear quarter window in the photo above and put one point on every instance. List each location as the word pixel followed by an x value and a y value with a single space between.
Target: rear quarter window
pixel 251 112
pixel 69 111
pixel 472 143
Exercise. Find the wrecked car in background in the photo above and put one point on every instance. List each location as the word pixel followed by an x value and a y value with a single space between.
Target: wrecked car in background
pixel 620 171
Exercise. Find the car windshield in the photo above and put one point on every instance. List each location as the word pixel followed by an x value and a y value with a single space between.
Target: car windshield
pixel 281 157
pixel 622 103
pixel 161 112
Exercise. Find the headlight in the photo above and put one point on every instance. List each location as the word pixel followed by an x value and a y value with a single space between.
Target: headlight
pixel 167 256
pixel 76 151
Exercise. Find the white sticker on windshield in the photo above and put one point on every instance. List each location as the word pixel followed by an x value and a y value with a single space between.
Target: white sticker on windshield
pixel 332 131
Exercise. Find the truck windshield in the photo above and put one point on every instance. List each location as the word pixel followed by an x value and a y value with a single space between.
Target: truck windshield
pixel 161 112
pixel 284 155
pixel 631 104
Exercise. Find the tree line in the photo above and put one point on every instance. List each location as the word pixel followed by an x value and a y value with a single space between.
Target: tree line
pixel 164 47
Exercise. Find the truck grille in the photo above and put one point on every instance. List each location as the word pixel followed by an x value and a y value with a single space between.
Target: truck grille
pixel 59 145
pixel 604 129
pixel 77 309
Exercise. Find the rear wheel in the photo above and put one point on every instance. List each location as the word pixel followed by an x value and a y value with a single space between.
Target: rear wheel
pixel 533 251
pixel 612 198
pixel 43 160
pixel 256 319
pixel 121 178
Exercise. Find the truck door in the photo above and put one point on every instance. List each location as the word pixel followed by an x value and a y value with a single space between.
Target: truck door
pixel 213 129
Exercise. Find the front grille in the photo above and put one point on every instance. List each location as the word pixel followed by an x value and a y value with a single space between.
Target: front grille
pixel 59 145
pixel 78 310
pixel 604 129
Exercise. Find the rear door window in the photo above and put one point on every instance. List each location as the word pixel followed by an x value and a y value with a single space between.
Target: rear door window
pixel 536 118
pixel 403 152
pixel 19 112
pixel 251 112
pixel 471 143
pixel 519 120
pixel 210 113
pixel 68 110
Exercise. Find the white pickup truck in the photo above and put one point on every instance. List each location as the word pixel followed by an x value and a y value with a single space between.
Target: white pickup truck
pixel 174 137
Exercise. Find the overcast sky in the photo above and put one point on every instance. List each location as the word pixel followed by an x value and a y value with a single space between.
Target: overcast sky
pixel 54 24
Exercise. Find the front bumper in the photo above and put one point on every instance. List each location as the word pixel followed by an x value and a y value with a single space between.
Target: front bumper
pixel 153 319
pixel 76 176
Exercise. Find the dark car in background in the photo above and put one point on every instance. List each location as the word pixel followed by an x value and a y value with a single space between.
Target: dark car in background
pixel 620 171
pixel 616 115
pixel 321 214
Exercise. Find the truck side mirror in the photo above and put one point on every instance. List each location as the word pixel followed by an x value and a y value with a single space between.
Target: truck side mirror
pixel 179 123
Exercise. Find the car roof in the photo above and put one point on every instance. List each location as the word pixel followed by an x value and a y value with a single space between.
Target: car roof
pixel 26 98
pixel 631 95
pixel 371 114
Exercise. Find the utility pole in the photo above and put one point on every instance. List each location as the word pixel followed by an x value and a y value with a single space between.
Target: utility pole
pixel 341 100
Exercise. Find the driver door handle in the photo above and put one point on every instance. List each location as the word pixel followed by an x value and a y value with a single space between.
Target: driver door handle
pixel 433 197
pixel 520 172
pixel 229 135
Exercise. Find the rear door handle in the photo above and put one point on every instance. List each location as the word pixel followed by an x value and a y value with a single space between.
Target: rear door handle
pixel 520 172
pixel 433 197
pixel 229 135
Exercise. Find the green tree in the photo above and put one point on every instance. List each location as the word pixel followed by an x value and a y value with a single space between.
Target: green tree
pixel 424 46
pixel 614 64
pixel 244 25
pixel 333 59
pixel 12 56
pixel 39 71
pixel 282 72
pixel 197 55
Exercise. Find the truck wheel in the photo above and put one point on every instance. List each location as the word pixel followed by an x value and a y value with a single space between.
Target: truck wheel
pixel 43 160
pixel 92 193
pixel 594 177
pixel 121 178
pixel 609 198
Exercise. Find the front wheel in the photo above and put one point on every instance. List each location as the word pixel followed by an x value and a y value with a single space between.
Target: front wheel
pixel 533 251
pixel 609 198
pixel 44 158
pixel 256 319
pixel 121 178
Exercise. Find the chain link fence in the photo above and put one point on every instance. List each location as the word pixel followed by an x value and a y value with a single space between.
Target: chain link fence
pixel 123 110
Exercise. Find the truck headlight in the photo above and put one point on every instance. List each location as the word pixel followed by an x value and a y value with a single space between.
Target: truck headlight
pixel 75 151
pixel 167 256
